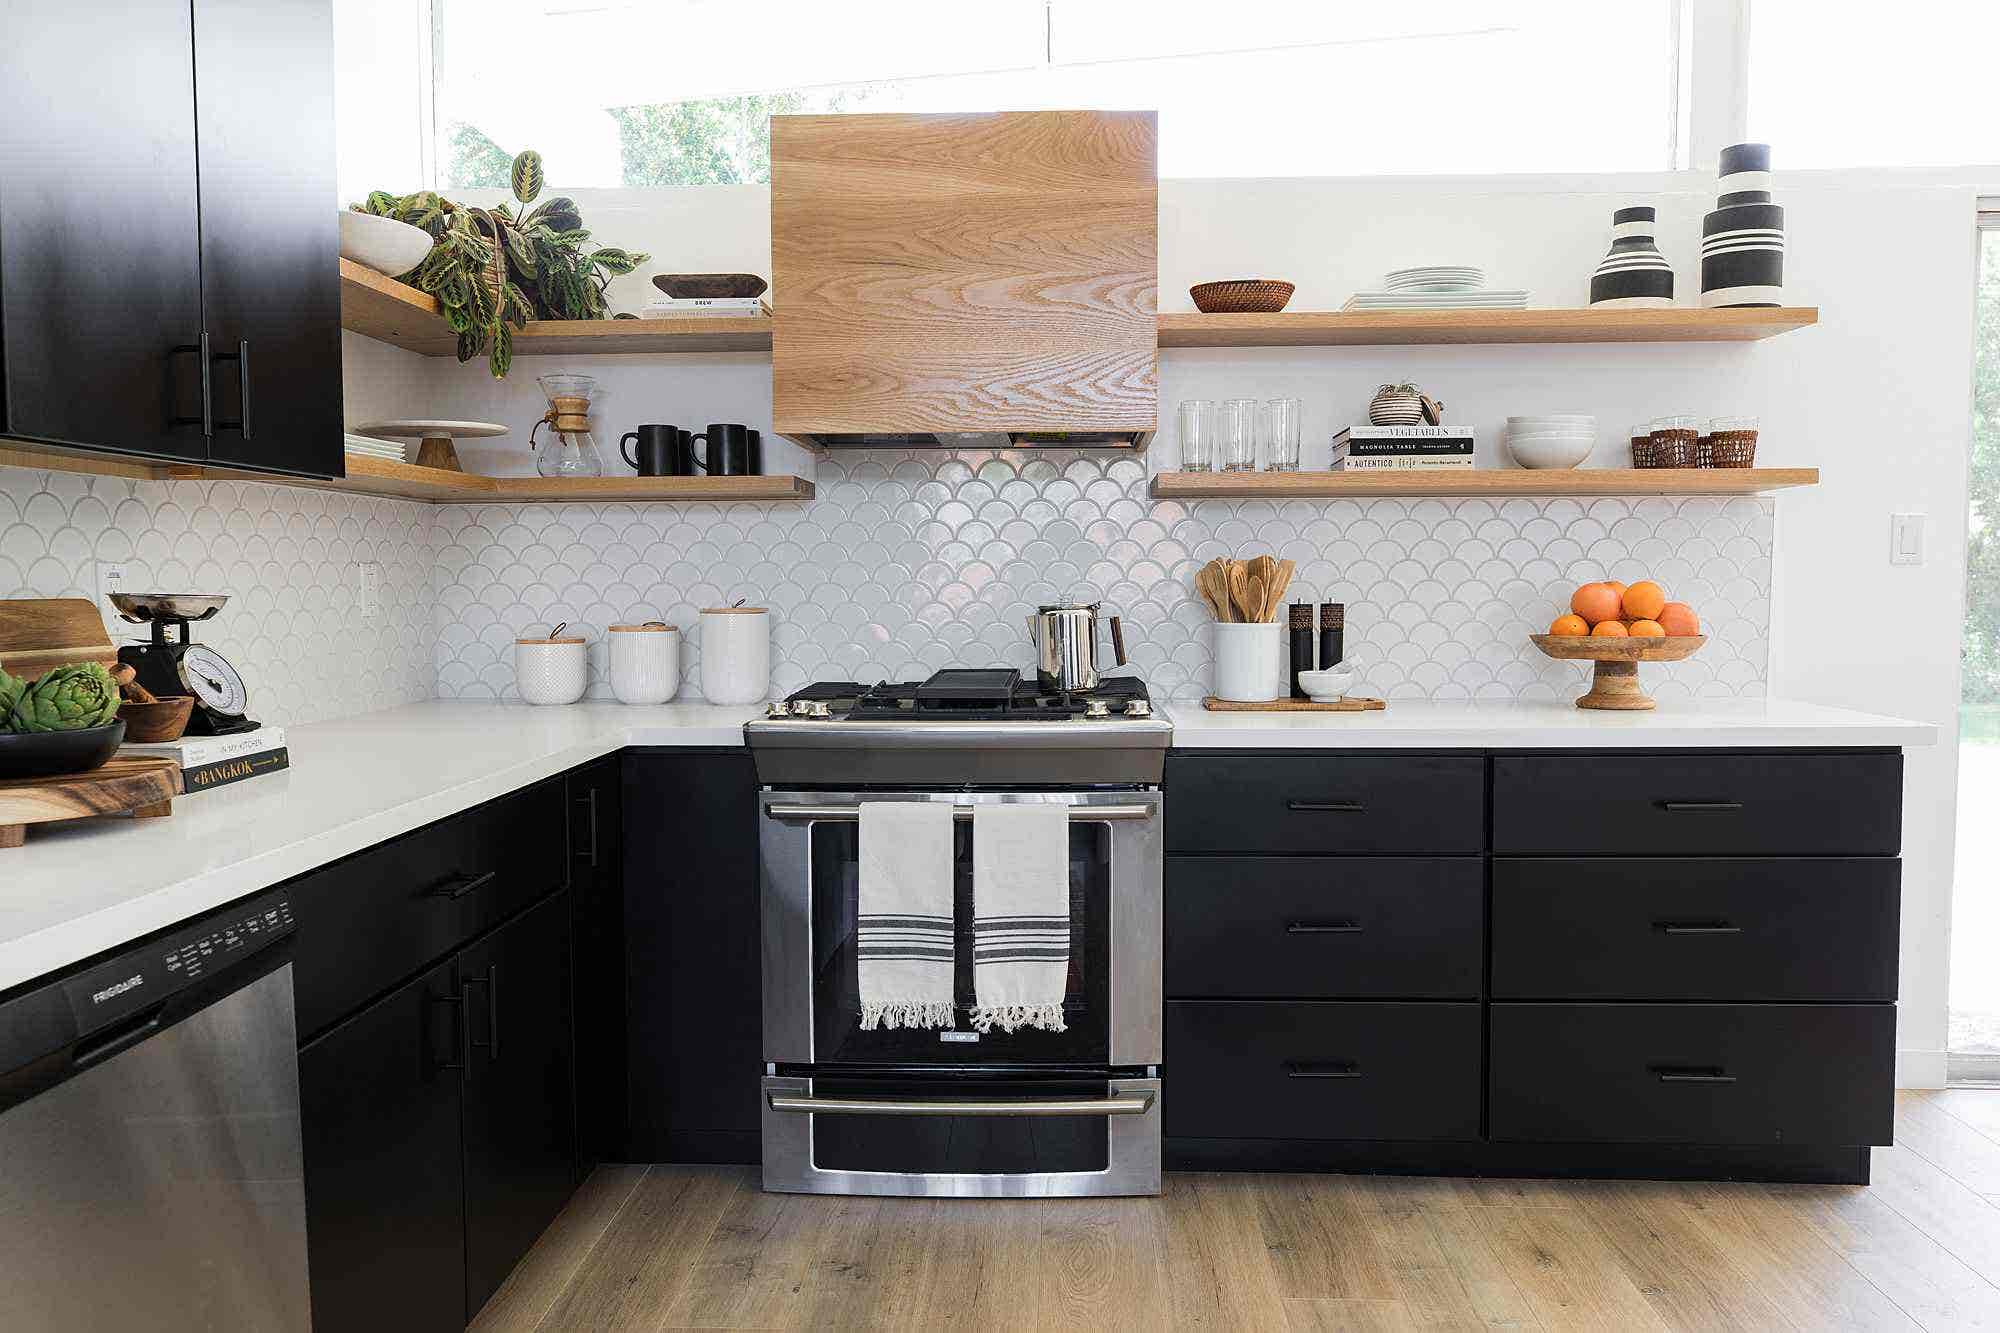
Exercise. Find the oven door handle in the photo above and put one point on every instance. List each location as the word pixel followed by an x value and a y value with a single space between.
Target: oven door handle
pixel 850 813
pixel 1129 1103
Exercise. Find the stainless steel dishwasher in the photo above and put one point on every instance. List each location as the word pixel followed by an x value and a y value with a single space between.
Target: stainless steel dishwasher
pixel 150 1170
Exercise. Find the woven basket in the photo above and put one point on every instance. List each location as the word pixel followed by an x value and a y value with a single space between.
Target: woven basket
pixel 1242 296
pixel 1733 448
pixel 1664 449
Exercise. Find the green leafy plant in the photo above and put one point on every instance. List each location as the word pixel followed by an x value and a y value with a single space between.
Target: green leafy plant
pixel 11 689
pixel 68 698
pixel 492 270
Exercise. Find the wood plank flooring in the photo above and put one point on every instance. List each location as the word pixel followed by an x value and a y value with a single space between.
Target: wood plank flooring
pixel 673 1247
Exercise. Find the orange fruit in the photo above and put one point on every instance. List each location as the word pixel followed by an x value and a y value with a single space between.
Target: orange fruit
pixel 1643 600
pixel 1615 586
pixel 1608 629
pixel 1571 626
pixel 1677 619
pixel 1595 602
pixel 1646 629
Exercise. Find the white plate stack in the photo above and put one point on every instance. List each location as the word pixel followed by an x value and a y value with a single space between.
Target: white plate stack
pixel 1555 441
pixel 369 447
pixel 1438 287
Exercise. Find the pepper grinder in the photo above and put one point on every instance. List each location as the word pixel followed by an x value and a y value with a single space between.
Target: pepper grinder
pixel 1302 645
pixel 1332 634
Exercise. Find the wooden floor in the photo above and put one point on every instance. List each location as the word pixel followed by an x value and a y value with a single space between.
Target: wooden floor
pixel 701 1247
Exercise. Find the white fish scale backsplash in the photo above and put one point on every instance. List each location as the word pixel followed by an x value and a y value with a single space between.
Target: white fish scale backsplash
pixel 287 558
pixel 910 562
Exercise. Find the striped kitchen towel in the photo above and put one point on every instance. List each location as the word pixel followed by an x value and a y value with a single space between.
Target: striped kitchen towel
pixel 1020 926
pixel 905 926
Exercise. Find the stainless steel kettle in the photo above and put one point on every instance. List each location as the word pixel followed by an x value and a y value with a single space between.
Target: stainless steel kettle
pixel 1065 639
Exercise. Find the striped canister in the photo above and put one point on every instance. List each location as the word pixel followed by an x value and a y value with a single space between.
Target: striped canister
pixel 1634 275
pixel 1743 237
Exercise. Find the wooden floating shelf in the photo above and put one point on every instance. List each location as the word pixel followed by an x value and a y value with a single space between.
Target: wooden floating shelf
pixel 1478 482
pixel 396 313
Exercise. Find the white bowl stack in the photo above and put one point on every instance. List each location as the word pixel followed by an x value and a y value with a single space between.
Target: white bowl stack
pixel 1554 441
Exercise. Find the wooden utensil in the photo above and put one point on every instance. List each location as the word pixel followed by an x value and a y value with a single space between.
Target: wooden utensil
pixel 1280 583
pixel 1239 592
pixel 1212 582
pixel 38 635
pixel 1351 704
pixel 143 784
pixel 1262 568
pixel 1614 681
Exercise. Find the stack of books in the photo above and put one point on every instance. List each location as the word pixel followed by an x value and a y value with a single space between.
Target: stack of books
pixel 673 307
pixel 1401 448
pixel 216 761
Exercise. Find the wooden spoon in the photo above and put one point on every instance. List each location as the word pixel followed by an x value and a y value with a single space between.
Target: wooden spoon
pixel 1281 581
pixel 1239 592
pixel 1263 569
pixel 1213 585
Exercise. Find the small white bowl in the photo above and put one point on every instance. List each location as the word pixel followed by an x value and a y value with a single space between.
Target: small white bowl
pixel 1328 686
pixel 1549 452
pixel 383 244
pixel 1554 419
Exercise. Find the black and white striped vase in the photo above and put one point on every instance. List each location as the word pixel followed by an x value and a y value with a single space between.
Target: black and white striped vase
pixel 1635 275
pixel 1743 237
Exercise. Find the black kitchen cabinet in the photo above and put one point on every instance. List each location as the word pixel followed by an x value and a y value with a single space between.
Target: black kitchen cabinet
pixel 379 1098
pixel 520 1114
pixel 692 955
pixel 168 232
pixel 597 907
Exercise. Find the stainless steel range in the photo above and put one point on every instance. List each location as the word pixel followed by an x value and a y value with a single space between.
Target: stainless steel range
pixel 956 1111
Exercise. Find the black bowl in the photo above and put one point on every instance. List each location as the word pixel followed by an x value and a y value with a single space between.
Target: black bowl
pixel 47 754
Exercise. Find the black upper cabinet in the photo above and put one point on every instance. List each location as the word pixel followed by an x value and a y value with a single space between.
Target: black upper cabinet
pixel 269 232
pixel 168 231
pixel 100 262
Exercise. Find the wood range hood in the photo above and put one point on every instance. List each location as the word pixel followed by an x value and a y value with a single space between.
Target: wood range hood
pixel 978 281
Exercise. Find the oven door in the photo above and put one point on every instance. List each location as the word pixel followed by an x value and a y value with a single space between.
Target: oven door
pixel 812 1007
pixel 1057 1134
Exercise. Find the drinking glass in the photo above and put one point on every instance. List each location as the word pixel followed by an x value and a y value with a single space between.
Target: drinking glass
pixel 1281 435
pixel 1239 435
pixel 1197 418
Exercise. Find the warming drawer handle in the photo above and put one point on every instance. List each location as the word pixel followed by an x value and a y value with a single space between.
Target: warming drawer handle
pixel 1700 807
pixel 1696 928
pixel 1129 1103
pixel 1346 927
pixel 1692 1074
pixel 461 885
pixel 1322 1069
pixel 1326 807
pixel 1088 814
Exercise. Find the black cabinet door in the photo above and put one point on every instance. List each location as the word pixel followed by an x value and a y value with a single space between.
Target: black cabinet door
pixel 597 913
pixel 520 1108
pixel 100 265
pixel 270 232
pixel 384 1211
pixel 692 955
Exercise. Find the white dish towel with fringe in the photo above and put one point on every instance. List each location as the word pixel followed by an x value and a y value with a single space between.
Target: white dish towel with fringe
pixel 1020 927
pixel 904 935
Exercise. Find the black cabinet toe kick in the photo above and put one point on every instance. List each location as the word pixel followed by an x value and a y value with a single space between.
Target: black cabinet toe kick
pixel 1600 1161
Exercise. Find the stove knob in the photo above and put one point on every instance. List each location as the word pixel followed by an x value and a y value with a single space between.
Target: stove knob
pixel 1138 708
pixel 817 708
pixel 1096 708
pixel 778 709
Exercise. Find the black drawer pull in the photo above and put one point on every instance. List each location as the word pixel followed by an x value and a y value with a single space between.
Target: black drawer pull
pixel 1692 1074
pixel 1700 807
pixel 1322 1069
pixel 1696 928
pixel 1326 807
pixel 463 884
pixel 1323 928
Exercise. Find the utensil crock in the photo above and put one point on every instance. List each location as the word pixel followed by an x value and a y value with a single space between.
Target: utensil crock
pixel 1248 668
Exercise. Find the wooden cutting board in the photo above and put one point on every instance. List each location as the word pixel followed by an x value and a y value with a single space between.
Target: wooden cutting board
pixel 145 785
pixel 1352 704
pixel 39 634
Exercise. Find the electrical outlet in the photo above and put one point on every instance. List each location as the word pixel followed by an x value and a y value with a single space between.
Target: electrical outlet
pixel 110 578
pixel 1906 539
pixel 371 590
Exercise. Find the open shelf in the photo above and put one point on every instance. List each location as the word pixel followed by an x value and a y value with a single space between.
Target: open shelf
pixel 1488 482
pixel 1391 328
pixel 379 476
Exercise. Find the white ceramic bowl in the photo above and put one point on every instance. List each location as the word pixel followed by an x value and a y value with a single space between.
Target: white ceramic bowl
pixel 1554 419
pixel 1326 686
pixel 1549 451
pixel 383 244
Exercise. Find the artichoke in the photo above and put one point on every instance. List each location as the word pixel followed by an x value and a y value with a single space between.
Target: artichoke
pixel 11 689
pixel 67 699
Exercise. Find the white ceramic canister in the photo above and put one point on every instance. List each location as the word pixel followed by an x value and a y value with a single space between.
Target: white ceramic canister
pixel 1247 666
pixel 645 662
pixel 735 654
pixel 555 670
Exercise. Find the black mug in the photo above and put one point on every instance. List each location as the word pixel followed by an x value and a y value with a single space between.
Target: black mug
pixel 733 450
pixel 660 451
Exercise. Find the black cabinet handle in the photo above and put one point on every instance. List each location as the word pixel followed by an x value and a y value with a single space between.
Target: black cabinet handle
pixel 462 1031
pixel 1696 928
pixel 1692 1074
pixel 1326 807
pixel 241 356
pixel 1323 928
pixel 492 983
pixel 456 888
pixel 590 856
pixel 1700 807
pixel 1322 1069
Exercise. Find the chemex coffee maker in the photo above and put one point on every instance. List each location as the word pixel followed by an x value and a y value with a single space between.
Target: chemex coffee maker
pixel 173 669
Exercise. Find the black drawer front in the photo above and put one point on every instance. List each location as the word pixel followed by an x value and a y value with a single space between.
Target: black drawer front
pixel 1693 1073
pixel 1326 803
pixel 1749 929
pixel 1258 1069
pixel 1324 927
pixel 1698 804
pixel 382 915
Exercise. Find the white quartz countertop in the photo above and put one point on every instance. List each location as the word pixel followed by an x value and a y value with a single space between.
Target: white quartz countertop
pixel 78 889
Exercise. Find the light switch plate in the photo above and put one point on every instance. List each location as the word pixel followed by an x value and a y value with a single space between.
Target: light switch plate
pixel 110 578
pixel 371 590
pixel 1906 539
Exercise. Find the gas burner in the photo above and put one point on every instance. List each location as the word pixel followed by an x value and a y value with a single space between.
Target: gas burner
pixel 965 695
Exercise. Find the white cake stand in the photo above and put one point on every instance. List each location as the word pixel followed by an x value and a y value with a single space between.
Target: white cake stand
pixel 435 437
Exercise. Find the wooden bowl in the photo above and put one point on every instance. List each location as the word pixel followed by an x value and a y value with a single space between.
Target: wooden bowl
pixel 1614 682
pixel 154 723
pixel 1242 296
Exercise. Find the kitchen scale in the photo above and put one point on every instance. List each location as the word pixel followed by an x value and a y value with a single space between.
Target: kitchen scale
pixel 171 669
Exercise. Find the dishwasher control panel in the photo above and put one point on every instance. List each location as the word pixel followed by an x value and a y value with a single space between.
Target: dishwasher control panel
pixel 151 972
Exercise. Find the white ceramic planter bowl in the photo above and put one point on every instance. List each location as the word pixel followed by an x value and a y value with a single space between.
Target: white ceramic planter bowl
pixel 383 244
pixel 1247 662
pixel 735 654
pixel 551 671
pixel 645 663
pixel 1549 452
